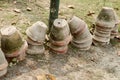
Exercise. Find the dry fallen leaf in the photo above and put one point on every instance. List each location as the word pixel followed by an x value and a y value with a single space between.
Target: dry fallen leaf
pixel 41 77
pixel 29 9
pixel 71 6
pixel 17 10
pixel 90 13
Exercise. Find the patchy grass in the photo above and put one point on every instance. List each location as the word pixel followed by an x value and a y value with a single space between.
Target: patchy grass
pixel 40 11
pixel 83 7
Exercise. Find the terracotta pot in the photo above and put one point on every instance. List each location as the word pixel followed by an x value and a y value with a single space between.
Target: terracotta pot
pixel 99 43
pixel 82 38
pixel 85 34
pixel 79 47
pixel 58 49
pixel 35 49
pixel 105 22
pixel 101 39
pixel 114 31
pixel 20 53
pixel 3 64
pixel 11 39
pixel 31 42
pixel 106 18
pixel 76 24
pixel 37 32
pixel 60 30
pixel 82 45
pixel 61 43
pixel 101 33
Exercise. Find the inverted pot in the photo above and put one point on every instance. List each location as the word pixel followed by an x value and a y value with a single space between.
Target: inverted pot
pixel 76 24
pixel 20 52
pixel 3 64
pixel 37 31
pixel 61 43
pixel 60 30
pixel 11 39
pixel 58 49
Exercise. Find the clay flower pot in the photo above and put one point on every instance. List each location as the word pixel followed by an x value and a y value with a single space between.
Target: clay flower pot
pixel 82 39
pixel 76 25
pixel 60 30
pixel 58 49
pixel 3 64
pixel 12 44
pixel 105 23
pixel 37 31
pixel 59 37
pixel 36 37
pixel 35 47
pixel 62 42
pixel 114 31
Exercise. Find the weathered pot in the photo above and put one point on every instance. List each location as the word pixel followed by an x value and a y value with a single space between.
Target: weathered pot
pixel 37 31
pixel 3 64
pixel 76 24
pixel 105 22
pixel 31 42
pixel 82 45
pixel 20 53
pixel 101 33
pixel 61 43
pixel 82 38
pixel 82 35
pixel 3 61
pixel 58 49
pixel 11 40
pixel 114 31
pixel 99 43
pixel 35 49
pixel 60 30
pixel 106 18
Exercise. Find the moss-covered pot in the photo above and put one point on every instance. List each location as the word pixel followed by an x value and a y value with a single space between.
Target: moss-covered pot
pixel 11 39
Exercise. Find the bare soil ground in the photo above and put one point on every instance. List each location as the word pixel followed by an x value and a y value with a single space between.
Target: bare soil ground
pixel 98 63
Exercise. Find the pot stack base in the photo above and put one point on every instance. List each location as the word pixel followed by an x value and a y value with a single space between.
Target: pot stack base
pixel 35 47
pixel 59 37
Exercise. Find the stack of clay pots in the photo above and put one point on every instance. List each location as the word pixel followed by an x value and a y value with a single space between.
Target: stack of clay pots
pixel 82 39
pixel 105 23
pixel 59 36
pixel 13 45
pixel 3 62
pixel 36 38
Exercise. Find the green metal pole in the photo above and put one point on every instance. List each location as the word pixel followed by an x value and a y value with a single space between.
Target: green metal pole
pixel 54 8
